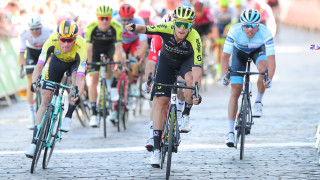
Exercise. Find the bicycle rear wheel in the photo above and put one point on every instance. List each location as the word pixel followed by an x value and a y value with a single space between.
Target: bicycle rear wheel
pixel 41 139
pixel 164 143
pixel 171 135
pixel 121 105
pixel 243 125
pixel 52 140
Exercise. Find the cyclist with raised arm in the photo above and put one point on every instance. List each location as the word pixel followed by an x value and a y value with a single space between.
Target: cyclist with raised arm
pixel 103 35
pixel 248 39
pixel 181 50
pixel 31 42
pixel 68 53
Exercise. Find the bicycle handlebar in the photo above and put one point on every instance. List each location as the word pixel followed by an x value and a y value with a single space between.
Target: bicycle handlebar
pixel 266 74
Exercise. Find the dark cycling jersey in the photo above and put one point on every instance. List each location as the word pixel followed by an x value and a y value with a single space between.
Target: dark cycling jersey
pixel 191 46
pixel 99 38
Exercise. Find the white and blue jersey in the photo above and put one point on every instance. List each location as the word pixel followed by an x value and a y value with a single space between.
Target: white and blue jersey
pixel 128 36
pixel 237 38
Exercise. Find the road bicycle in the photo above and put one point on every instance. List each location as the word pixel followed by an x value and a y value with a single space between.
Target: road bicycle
pixel 37 98
pixel 170 139
pixel 244 116
pixel 49 129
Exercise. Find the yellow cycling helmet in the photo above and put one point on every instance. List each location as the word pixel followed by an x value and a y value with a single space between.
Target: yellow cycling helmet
pixel 184 13
pixel 67 29
pixel 104 10
pixel 224 3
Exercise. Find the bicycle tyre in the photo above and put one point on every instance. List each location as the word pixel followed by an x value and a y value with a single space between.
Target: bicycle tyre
pixel 103 101
pixel 81 115
pixel 164 144
pixel 46 156
pixel 170 145
pixel 121 105
pixel 243 125
pixel 41 136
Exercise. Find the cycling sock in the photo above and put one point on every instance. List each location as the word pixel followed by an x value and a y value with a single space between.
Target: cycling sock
pixel 151 130
pixel 109 82
pixel 231 126
pixel 157 137
pixel 71 108
pixel 180 105
pixel 259 97
pixel 114 82
pixel 35 131
pixel 187 109
pixel 32 113
pixel 94 108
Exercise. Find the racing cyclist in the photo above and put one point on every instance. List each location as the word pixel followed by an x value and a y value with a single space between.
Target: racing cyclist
pixel 247 39
pixel 32 40
pixel 181 50
pixel 68 53
pixel 103 35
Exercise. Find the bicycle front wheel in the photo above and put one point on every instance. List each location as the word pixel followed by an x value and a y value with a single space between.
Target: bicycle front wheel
pixel 243 124
pixel 41 139
pixel 171 135
pixel 121 105
pixel 103 107
pixel 53 132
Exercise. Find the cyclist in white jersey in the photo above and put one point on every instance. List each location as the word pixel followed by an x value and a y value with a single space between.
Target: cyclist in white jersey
pixel 248 39
pixel 32 40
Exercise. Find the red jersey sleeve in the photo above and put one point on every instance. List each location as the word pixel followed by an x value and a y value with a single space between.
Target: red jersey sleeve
pixel 155 47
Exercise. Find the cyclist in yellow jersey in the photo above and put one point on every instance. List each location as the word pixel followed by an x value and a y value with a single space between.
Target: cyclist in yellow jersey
pixel 103 36
pixel 182 51
pixel 68 53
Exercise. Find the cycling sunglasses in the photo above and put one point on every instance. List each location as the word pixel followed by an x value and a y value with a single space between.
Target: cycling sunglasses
pixel 184 24
pixel 250 25
pixel 69 40
pixel 108 18
pixel 126 19
pixel 34 29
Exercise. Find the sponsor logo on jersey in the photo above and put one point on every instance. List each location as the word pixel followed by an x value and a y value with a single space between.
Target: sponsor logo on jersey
pixel 58 52
pixel 198 45
pixel 152 26
pixel 199 57
pixel 161 25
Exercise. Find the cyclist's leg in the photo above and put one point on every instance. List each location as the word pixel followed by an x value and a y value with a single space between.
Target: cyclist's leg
pixel 165 75
pixel 181 103
pixel 186 73
pixel 238 64
pixel 31 59
pixel 261 62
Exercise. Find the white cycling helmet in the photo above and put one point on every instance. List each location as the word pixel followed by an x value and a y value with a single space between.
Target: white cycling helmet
pixel 35 21
pixel 250 16
pixel 167 18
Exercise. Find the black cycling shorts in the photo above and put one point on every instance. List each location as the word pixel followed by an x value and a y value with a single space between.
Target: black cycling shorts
pixel 32 58
pixel 239 60
pixel 107 50
pixel 56 71
pixel 165 72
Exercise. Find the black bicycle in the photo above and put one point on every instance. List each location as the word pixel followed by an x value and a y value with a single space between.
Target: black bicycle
pixel 170 139
pixel 244 117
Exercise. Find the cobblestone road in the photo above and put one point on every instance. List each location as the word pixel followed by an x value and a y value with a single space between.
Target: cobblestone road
pixel 281 145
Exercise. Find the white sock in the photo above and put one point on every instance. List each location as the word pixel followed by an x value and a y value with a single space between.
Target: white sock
pixel 109 81
pixel 151 129
pixel 259 97
pixel 231 126
pixel 180 105
pixel 32 113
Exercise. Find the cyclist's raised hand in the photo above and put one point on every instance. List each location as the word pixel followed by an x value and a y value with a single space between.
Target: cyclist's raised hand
pixel 34 88
pixel 267 84
pixel 130 27
pixel 225 80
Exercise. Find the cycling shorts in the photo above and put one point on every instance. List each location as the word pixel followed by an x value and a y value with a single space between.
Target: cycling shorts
pixel 131 47
pixel 239 60
pixel 56 71
pixel 107 50
pixel 32 58
pixel 165 73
